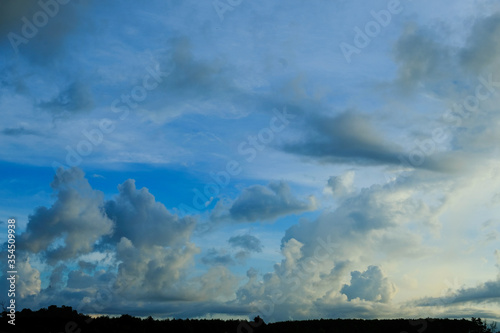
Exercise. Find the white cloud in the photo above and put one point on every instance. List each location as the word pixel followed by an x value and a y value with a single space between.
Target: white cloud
pixel 370 285
pixel 29 282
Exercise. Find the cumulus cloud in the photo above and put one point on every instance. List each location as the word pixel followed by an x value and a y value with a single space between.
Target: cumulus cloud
pixel 153 249
pixel 370 285
pixel 74 223
pixel 145 251
pixel 144 221
pixel 261 203
pixel 29 282
pixel 342 185
pixel 299 287
pixel 374 211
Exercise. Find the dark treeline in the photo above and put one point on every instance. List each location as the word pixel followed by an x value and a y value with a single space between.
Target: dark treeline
pixel 65 319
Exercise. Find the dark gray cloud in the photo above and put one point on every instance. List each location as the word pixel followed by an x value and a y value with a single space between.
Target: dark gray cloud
pixel 18 131
pixel 246 242
pixel 44 42
pixel 352 138
pixel 11 13
pixel 79 280
pixel 346 138
pixel 57 277
pixel 259 203
pixel 87 266
pixel 77 219
pixel 144 221
pixel 370 285
pixel 483 45
pixel 485 292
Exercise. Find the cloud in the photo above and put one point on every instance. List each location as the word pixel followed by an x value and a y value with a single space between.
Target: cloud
pixel 419 57
pixel 79 280
pixel 346 138
pixel 497 257
pixel 154 264
pixel 30 283
pixel 485 292
pixel 370 285
pixel 373 208
pixel 246 242
pixel 151 270
pixel 152 245
pixel 47 41
pixel 86 266
pixel 73 99
pixel 56 277
pixel 144 221
pixel 18 131
pixel 260 203
pixel 215 257
pixel 205 83
pixel 342 185
pixel 74 223
pixel 11 13
pixel 483 44
pixel 28 278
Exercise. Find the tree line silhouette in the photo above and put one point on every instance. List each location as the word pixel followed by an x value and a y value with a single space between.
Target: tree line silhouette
pixel 66 320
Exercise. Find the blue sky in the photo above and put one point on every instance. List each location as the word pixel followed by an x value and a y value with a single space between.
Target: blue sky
pixel 298 160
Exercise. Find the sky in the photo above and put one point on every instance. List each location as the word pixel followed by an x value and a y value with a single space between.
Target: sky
pixel 233 158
